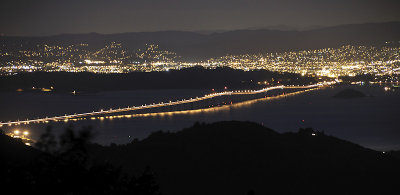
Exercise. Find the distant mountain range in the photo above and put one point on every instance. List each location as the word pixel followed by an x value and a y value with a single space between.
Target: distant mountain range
pixel 203 45
pixel 288 28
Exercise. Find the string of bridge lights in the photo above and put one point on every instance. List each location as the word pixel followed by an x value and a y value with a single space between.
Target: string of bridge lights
pixel 157 105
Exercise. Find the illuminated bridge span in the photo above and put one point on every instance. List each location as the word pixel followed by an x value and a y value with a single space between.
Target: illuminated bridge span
pixel 161 104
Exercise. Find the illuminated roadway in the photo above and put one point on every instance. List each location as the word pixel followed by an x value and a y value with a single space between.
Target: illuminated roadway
pixel 161 104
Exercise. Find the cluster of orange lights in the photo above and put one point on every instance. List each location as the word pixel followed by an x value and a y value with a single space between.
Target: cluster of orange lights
pixel 20 133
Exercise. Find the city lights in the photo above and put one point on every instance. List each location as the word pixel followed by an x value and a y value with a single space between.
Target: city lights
pixel 347 60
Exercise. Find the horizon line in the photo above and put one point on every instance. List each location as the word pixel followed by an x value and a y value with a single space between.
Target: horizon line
pixel 215 31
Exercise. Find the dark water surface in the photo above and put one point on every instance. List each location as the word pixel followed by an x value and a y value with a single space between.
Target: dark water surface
pixel 372 121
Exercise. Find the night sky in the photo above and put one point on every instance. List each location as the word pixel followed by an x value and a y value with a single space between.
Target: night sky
pixel 48 17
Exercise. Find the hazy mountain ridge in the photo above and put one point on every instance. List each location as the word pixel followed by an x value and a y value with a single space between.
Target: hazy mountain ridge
pixel 197 45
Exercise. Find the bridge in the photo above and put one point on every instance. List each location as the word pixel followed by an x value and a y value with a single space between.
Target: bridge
pixel 162 104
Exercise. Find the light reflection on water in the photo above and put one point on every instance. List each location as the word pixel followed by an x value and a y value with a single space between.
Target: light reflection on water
pixel 370 121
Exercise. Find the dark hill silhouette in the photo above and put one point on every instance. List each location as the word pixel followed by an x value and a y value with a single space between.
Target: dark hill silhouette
pixel 219 158
pixel 395 154
pixel 349 93
pixel 15 151
pixel 193 45
pixel 236 157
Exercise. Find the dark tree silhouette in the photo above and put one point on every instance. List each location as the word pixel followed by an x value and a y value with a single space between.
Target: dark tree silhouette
pixel 47 142
pixel 64 166
pixel 251 192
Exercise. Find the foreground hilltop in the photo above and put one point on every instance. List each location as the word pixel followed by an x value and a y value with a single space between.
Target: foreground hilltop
pixel 349 93
pixel 219 158
pixel 237 157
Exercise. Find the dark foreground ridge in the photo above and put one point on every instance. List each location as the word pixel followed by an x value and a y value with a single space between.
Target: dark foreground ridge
pixel 220 158
pixel 349 93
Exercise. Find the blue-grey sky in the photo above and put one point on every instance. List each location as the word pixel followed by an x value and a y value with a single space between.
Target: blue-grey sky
pixel 48 17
